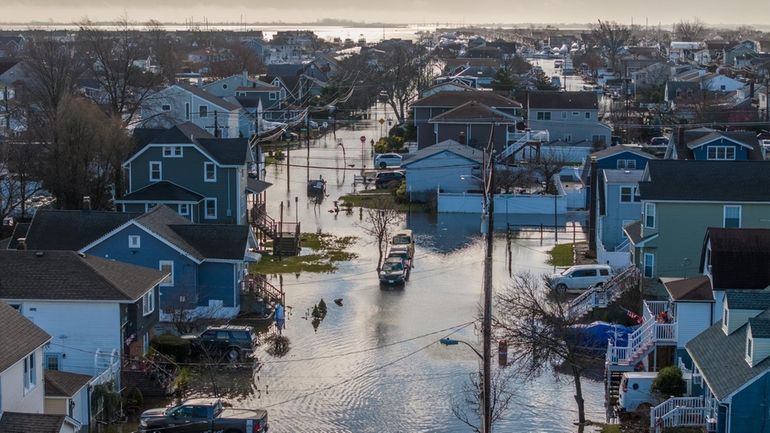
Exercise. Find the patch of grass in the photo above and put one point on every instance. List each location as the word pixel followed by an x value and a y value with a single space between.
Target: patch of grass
pixel 610 428
pixel 562 255
pixel 382 199
pixel 327 251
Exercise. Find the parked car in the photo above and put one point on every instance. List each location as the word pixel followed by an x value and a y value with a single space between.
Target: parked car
pixel 659 141
pixel 394 271
pixel 229 342
pixel 203 415
pixel 403 240
pixel 401 254
pixel 385 160
pixel 580 277
pixel 388 179
pixel 636 389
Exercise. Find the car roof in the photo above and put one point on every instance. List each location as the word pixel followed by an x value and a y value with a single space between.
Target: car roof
pixel 392 260
pixel 640 374
pixel 230 328
pixel 597 266
pixel 404 232
pixel 202 401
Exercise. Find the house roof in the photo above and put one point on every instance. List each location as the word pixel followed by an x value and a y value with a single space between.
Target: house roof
pixel 257 186
pixel 71 229
pixel 690 289
pixel 691 87
pixel 162 191
pixel 455 99
pixel 722 181
pixel 472 112
pixel 67 275
pixel 159 221
pixel 745 138
pixel 760 328
pixel 757 300
pixel 740 258
pixel 450 146
pixel 183 133
pixel 634 233
pixel 18 336
pixel 623 176
pixel 722 358
pixel 216 100
pixel 227 151
pixel 472 62
pixel 19 231
pixel 563 100
pixel 64 384
pixel 614 150
pixel 17 422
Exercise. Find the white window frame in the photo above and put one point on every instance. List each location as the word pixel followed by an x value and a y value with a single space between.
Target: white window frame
pixel 186 206
pixel 652 265
pixel 724 215
pixel 30 373
pixel 169 281
pixel 626 164
pixel 630 195
pixel 749 348
pixel 206 165
pixel 160 171
pixel 650 210
pixel 720 153
pixel 206 214
pixel 172 151
pixel 148 206
pixel 134 241
pixel 273 96
pixel 148 302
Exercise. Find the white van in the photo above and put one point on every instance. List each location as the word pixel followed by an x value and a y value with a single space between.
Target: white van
pixel 636 389
pixel 580 277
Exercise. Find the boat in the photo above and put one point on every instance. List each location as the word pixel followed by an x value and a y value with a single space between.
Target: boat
pixel 316 186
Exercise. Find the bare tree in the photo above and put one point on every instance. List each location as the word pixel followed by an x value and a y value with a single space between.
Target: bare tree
pixel 52 68
pixel 611 37
pixel 379 223
pixel 400 76
pixel 18 165
pixel 164 50
pixel 548 165
pixel 539 330
pixel 112 58
pixel 690 31
pixel 468 407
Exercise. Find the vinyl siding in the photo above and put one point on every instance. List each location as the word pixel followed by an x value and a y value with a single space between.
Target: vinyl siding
pixel 749 408
pixel 615 213
pixel 12 388
pixel 217 282
pixel 692 318
pixel 441 170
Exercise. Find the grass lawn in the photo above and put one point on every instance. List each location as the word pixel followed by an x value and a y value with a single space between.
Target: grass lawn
pixel 382 199
pixel 327 251
pixel 610 428
pixel 562 255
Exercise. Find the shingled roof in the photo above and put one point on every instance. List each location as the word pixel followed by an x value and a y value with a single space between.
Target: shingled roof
pixel 18 336
pixel 473 112
pixel 226 151
pixel 696 289
pixel 455 99
pixel 71 229
pixel 164 191
pixel 721 181
pixel 563 100
pixel 64 384
pixel 67 275
pixel 209 97
pixel 740 258
pixel 17 422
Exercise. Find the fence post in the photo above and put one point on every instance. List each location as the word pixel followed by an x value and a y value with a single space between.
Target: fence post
pixel 541 233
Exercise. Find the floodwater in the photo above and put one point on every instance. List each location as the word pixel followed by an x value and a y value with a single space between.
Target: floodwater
pixel 374 364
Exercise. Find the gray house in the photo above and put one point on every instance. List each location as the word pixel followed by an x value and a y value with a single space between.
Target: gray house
pixel 570 117
pixel 619 206
pixel 448 166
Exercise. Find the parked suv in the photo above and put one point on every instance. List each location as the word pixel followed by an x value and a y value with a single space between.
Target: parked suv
pixel 580 277
pixel 388 179
pixel 229 342
pixel 385 160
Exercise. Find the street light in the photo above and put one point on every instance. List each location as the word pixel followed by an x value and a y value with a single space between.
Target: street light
pixel 446 341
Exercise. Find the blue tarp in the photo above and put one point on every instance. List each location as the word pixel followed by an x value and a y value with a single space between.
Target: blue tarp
pixel 594 336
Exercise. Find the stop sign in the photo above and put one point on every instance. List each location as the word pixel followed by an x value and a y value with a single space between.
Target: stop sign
pixel 363 139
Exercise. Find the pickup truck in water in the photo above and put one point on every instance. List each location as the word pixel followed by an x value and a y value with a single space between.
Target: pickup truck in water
pixel 203 415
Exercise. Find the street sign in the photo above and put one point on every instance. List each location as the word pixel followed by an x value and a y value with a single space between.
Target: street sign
pixel 363 139
pixel 381 120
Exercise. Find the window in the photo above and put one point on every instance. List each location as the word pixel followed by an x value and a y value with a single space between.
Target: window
pixel 52 361
pixel 148 301
pixel 649 215
pixel 748 348
pixel 273 96
pixel 731 217
pixel 134 241
pixel 172 151
pixel 148 206
pixel 211 208
pixel 626 164
pixel 165 107
pixel 725 316
pixel 224 86
pixel 584 273
pixel 156 171
pixel 598 139
pixel 649 265
pixel 567 138
pixel 588 114
pixel 167 266
pixel 184 209
pixel 626 194
pixel 543 115
pixel 209 172
pixel 563 114
pixel 720 153
pixel 604 272
pixel 575 114
pixel 203 111
pixel 30 373
pixel 187 111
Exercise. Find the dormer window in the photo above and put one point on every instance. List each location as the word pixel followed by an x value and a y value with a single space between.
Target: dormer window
pixel 725 319
pixel 748 349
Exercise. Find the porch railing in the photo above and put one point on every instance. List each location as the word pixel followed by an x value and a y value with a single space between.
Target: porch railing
pixel 602 296
pixel 678 412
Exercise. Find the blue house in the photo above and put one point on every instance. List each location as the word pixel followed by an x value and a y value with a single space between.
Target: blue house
pixel 619 206
pixel 203 178
pixel 706 144
pixel 207 263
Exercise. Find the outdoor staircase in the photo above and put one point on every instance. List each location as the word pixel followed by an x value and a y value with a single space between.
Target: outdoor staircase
pixel 679 412
pixel 153 375
pixel 521 140
pixel 258 285
pixel 612 390
pixel 285 235
pixel 604 295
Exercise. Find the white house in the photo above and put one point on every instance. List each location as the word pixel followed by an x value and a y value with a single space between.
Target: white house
pixel 22 390
pixel 181 103
pixel 448 166
pixel 67 394
pixel 89 305
pixel 720 83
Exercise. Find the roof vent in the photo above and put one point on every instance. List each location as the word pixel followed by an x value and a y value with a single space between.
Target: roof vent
pixel 39 254
pixel 81 254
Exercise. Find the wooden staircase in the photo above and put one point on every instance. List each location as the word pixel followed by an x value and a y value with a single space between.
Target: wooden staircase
pixel 259 286
pixel 285 235
pixel 603 296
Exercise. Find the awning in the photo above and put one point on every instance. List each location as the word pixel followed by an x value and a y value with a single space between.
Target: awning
pixel 256 186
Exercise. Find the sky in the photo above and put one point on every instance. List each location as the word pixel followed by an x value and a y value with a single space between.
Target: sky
pixel 735 12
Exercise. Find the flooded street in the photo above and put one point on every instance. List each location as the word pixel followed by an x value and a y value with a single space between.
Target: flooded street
pixel 374 364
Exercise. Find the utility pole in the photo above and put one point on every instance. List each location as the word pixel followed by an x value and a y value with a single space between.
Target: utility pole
pixel 486 416
pixel 307 140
